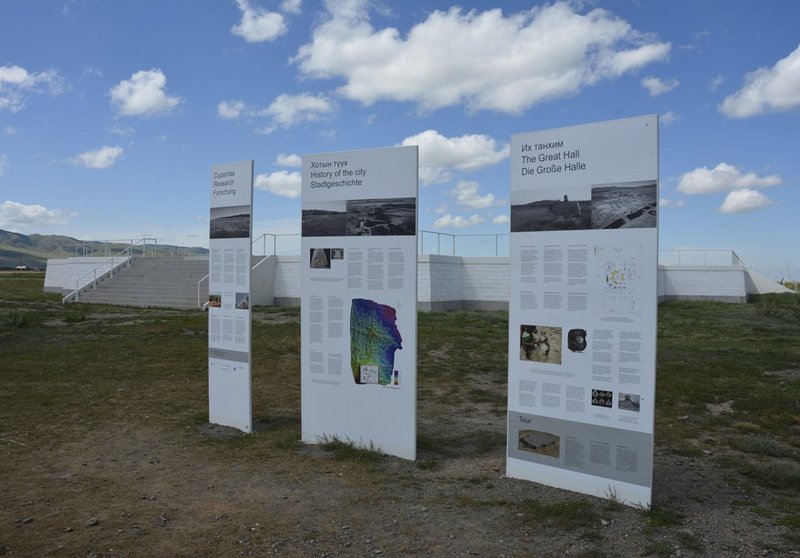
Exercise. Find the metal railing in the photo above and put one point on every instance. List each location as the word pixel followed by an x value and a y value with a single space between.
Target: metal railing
pixel 280 243
pixel 698 257
pixel 447 244
pixel 263 241
pixel 204 303
pixel 90 247
pixel 498 245
pixel 199 285
pixel 107 268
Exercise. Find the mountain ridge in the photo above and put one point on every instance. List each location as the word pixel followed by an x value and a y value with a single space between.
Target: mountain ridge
pixel 34 250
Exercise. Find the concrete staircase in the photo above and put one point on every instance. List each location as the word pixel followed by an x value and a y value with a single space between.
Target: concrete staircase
pixel 165 282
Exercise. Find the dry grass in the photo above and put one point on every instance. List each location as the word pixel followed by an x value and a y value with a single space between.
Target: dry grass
pixel 102 408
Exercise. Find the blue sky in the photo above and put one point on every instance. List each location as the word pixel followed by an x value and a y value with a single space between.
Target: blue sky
pixel 112 113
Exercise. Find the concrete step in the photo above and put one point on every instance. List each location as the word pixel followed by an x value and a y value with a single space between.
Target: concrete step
pixel 167 282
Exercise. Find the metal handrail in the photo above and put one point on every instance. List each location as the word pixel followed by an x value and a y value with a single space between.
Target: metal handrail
pixel 453 239
pixel 439 235
pixel 83 249
pixel 205 278
pixel 262 239
pixel 700 257
pixel 74 295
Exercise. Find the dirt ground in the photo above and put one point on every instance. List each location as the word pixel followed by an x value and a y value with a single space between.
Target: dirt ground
pixel 132 489
pixel 137 484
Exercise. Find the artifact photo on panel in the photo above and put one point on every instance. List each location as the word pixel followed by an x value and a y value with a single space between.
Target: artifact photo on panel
pixel 576 340
pixel 602 398
pixel 320 258
pixel 629 402
pixel 242 301
pixel 540 343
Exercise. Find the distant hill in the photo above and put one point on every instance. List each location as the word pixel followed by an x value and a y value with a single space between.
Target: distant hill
pixel 34 250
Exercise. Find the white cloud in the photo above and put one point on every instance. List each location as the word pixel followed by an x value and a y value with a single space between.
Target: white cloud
pixel 10 130
pixel 291 160
pixel 3 164
pixel 257 24
pixel 100 158
pixel 524 58
pixel 439 155
pixel 466 195
pixel 90 71
pixel 666 202
pixel 457 222
pixel 230 110
pixel 288 110
pixel 715 82
pixel 723 177
pixel 121 130
pixel 500 220
pixel 17 83
pixel 741 201
pixel 13 213
pixel 441 210
pixel 775 89
pixel 143 94
pixel 291 6
pixel 280 183
pixel 656 86
pixel 668 118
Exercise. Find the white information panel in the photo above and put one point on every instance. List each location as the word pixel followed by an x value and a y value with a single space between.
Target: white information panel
pixel 359 298
pixel 582 310
pixel 229 390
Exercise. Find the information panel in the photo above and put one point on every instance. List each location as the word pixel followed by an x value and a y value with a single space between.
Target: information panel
pixel 582 310
pixel 359 298
pixel 229 390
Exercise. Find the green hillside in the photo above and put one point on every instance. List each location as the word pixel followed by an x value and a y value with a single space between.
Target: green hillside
pixel 34 250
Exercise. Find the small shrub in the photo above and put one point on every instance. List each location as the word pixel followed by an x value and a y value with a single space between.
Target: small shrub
pixel 794 309
pixel 566 515
pixel 656 518
pixel 761 445
pixel 348 450
pixel 662 549
pixel 768 308
pixel 75 317
pixel 429 464
pixel 13 320
pixel 773 475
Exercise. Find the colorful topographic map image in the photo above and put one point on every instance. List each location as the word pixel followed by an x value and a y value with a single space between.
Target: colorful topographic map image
pixel 374 338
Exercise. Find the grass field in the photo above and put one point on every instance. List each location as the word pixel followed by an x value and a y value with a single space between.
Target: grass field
pixel 105 447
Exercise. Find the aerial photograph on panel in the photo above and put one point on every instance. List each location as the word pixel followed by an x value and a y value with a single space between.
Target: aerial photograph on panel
pixel 625 206
pixel 552 210
pixel 381 217
pixel 536 441
pixel 324 219
pixel 230 222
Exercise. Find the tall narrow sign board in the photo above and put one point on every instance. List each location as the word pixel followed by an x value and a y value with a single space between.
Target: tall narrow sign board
pixel 229 389
pixel 359 298
pixel 582 311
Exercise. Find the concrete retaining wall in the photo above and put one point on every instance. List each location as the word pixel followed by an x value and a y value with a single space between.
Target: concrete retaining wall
pixel 719 283
pixel 459 283
pixel 62 274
